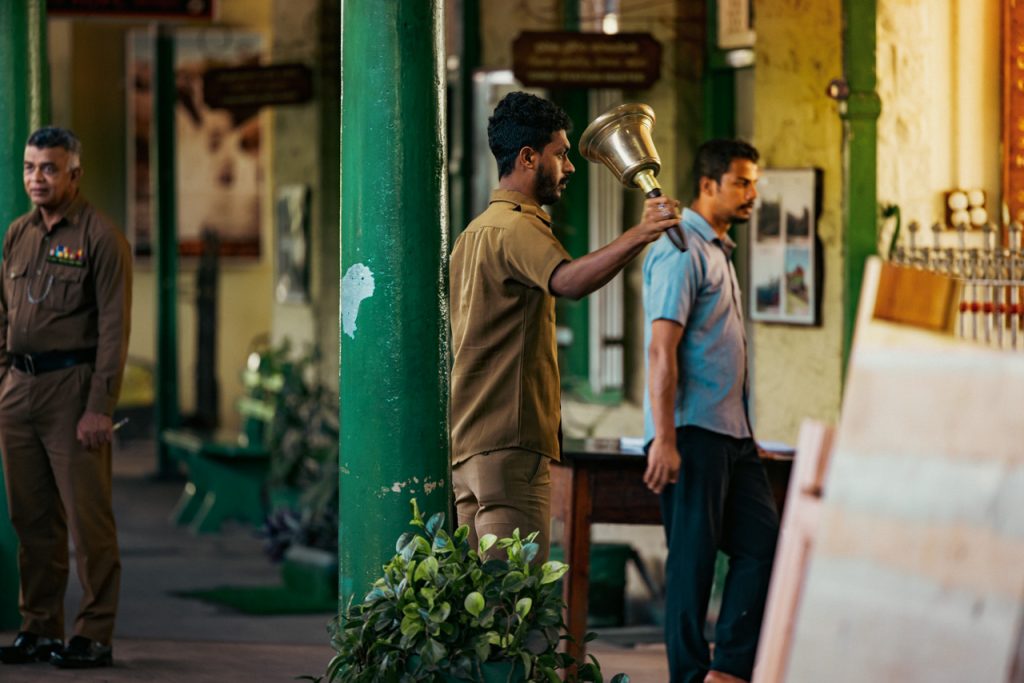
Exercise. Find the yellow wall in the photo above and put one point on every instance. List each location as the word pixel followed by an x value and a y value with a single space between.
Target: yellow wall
pixel 796 370
pixel 938 77
pixel 87 58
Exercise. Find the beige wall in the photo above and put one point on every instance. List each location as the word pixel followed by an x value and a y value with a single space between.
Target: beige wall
pixel 939 80
pixel 796 370
pixel 87 58
pixel 301 154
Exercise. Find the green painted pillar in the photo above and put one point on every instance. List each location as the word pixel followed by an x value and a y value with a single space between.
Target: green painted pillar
pixel 718 83
pixel 23 108
pixel 468 64
pixel 860 154
pixel 394 266
pixel 572 226
pixel 166 248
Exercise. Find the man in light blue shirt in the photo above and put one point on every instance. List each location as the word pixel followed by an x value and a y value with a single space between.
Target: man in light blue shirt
pixel 701 455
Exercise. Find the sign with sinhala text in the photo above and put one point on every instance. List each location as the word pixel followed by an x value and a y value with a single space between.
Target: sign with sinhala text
pixel 257 86
pixel 181 9
pixel 565 59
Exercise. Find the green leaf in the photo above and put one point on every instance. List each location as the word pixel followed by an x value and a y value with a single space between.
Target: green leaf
pixel 553 571
pixel 433 652
pixel 461 534
pixel 440 613
pixel 530 551
pixel 411 626
pixel 513 582
pixel 442 543
pixel 417 518
pixel 487 542
pixel 523 607
pixel 426 570
pixel 435 523
pixel 495 567
pixel 403 541
pixel 620 678
pixel 474 603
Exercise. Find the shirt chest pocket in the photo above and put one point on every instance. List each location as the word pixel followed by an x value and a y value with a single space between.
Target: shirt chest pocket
pixel 67 289
pixel 15 282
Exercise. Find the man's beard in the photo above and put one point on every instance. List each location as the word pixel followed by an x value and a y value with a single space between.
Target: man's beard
pixel 547 189
pixel 738 217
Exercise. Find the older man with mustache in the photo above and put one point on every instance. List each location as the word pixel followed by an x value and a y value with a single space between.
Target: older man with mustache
pixel 701 455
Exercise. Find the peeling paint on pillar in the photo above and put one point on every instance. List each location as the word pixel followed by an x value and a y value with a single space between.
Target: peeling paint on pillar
pixel 356 286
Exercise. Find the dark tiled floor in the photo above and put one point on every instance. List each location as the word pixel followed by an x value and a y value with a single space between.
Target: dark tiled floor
pixel 163 637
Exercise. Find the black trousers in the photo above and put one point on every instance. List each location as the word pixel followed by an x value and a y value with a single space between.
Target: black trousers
pixel 722 501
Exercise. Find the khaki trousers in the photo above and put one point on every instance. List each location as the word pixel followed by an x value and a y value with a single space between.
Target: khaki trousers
pixel 500 491
pixel 54 484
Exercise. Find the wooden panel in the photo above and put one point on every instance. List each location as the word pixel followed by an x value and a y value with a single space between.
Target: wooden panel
pixel 917 569
pixel 799 525
pixel 916 297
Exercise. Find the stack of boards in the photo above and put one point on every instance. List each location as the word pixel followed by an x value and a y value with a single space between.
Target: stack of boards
pixel 902 549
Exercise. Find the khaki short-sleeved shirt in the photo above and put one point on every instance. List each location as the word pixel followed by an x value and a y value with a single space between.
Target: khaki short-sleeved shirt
pixel 505 386
pixel 68 288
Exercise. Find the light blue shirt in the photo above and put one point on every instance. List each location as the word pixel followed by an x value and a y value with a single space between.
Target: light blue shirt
pixel 697 288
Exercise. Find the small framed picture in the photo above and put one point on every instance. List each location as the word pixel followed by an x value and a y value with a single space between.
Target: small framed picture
pixel 292 265
pixel 784 268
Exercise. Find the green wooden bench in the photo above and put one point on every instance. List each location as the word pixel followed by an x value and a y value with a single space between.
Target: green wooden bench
pixel 228 471
pixel 226 476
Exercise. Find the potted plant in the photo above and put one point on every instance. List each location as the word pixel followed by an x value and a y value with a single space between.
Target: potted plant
pixel 446 612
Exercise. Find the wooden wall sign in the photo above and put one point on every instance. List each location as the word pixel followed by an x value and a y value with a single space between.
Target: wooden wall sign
pixel 180 9
pixel 564 59
pixel 1013 107
pixel 257 86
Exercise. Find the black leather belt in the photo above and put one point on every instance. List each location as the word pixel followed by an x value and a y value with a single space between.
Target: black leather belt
pixel 48 361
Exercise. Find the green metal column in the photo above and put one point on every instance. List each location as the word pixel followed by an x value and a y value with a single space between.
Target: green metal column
pixel 468 64
pixel 572 225
pixel 394 265
pixel 24 107
pixel 718 83
pixel 166 248
pixel 860 154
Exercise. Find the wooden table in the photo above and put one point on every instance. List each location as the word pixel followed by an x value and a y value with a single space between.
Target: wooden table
pixel 598 482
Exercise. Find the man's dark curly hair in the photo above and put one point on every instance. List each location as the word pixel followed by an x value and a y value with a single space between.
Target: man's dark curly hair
pixel 714 158
pixel 522 120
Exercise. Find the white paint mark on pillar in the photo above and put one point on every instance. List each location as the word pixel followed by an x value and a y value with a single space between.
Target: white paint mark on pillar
pixel 355 286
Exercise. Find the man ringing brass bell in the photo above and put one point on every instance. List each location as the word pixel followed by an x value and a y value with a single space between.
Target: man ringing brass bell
pixel 506 269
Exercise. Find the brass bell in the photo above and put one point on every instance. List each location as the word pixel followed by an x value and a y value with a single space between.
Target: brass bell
pixel 621 139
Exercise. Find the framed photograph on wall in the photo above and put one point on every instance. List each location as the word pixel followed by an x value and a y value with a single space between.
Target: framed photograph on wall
pixel 291 276
pixel 784 268
pixel 220 167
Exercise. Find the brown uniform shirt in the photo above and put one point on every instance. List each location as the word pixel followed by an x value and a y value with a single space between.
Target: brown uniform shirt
pixel 504 386
pixel 70 288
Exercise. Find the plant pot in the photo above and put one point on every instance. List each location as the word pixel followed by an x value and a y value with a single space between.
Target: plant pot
pixel 311 571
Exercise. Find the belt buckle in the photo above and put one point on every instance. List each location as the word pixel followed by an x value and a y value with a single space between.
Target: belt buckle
pixel 30 365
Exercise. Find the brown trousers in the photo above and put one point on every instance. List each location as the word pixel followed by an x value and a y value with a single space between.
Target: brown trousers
pixel 53 484
pixel 500 491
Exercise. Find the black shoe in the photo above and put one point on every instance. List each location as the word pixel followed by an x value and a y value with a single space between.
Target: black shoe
pixel 28 648
pixel 82 653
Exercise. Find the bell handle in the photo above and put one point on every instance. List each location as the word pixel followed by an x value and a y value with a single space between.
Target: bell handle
pixel 675 233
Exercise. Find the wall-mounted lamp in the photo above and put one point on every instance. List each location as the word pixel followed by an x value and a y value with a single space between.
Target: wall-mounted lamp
pixel 838 89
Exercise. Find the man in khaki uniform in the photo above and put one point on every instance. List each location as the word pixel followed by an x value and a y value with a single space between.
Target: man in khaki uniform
pixel 507 267
pixel 64 321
